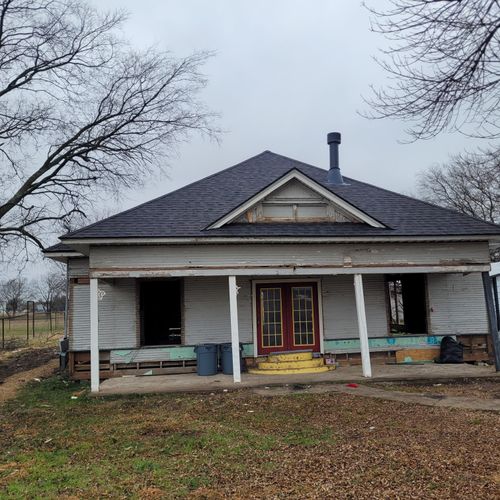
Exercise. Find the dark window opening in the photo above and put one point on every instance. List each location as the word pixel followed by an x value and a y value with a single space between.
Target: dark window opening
pixel 160 306
pixel 407 303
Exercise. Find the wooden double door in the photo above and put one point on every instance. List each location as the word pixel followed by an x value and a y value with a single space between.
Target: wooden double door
pixel 287 317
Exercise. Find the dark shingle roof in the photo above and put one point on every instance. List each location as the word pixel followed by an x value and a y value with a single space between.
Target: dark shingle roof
pixel 188 211
pixel 59 248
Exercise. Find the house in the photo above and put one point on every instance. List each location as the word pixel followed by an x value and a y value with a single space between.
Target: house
pixel 279 256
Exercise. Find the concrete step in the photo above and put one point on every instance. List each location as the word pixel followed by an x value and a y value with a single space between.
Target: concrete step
pixel 290 371
pixel 290 365
pixel 290 356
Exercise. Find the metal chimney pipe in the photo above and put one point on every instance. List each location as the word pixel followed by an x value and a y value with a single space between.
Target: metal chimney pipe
pixel 334 175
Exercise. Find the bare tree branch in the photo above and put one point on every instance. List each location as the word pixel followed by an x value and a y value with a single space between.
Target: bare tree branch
pixel 444 66
pixel 82 115
pixel 468 183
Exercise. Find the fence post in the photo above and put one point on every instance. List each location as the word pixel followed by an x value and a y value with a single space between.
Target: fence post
pixel 27 322
pixel 3 332
pixel 33 318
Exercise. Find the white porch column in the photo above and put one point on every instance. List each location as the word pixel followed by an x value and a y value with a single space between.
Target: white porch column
pixel 94 336
pixel 235 336
pixel 363 330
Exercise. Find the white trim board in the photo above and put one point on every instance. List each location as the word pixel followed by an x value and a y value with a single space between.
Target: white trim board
pixel 211 240
pixel 314 186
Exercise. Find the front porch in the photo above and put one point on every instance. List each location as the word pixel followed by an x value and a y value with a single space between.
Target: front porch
pixel 342 313
pixel 380 373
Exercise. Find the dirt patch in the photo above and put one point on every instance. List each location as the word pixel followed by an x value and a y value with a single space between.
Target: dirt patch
pixel 21 360
pixel 10 386
pixel 481 389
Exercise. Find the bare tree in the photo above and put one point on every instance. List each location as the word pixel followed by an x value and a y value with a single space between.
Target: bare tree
pixel 444 65
pixel 13 295
pixel 468 183
pixel 49 289
pixel 81 114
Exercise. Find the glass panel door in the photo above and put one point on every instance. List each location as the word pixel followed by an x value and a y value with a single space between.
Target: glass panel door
pixel 271 317
pixel 303 315
pixel 287 317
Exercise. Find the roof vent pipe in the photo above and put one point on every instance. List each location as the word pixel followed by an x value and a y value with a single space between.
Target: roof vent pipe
pixel 334 175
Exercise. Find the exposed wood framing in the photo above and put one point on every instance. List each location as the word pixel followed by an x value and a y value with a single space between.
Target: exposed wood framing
pixel 490 307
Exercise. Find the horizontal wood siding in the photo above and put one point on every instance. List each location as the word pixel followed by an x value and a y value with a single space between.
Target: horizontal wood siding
pixel 79 334
pixel 206 310
pixel 117 315
pixel 403 254
pixel 117 320
pixel 339 307
pixel 456 304
pixel 78 267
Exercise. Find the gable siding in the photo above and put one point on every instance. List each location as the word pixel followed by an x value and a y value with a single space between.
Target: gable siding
pixel 456 304
pixel 206 310
pixel 339 307
pixel 117 316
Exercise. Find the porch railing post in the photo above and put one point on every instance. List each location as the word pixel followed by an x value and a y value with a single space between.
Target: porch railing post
pixel 94 336
pixel 362 326
pixel 235 337
pixel 492 321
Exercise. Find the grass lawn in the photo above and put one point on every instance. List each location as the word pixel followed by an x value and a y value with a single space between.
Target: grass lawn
pixel 242 445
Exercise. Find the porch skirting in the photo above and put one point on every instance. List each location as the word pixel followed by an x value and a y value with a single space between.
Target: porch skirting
pixel 346 352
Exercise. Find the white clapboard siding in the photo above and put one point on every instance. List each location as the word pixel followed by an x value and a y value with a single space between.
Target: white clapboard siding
pixel 339 307
pixel 456 304
pixel 78 267
pixel 117 316
pixel 79 338
pixel 158 256
pixel 206 310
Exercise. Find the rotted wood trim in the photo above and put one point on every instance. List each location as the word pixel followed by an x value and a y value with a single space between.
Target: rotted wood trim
pixel 285 269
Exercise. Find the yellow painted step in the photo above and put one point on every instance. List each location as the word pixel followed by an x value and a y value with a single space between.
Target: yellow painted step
pixel 291 371
pixel 290 356
pixel 288 365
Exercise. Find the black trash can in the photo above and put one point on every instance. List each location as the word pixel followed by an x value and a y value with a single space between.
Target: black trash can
pixel 226 354
pixel 206 359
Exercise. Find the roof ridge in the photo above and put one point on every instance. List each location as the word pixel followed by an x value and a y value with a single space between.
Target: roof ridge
pixel 164 195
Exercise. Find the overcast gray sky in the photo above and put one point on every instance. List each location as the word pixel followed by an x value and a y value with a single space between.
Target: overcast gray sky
pixel 285 73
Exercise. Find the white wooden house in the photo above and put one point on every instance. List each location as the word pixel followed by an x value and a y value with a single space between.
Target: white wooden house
pixel 276 255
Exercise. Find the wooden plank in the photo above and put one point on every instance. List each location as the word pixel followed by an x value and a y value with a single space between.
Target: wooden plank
pixel 85 375
pixel 412 355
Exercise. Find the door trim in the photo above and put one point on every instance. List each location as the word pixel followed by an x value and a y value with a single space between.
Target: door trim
pixel 256 282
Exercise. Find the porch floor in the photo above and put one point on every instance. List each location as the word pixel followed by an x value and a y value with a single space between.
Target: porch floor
pixel 191 382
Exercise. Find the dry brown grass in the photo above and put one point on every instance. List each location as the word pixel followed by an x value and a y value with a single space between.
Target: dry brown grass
pixel 241 445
